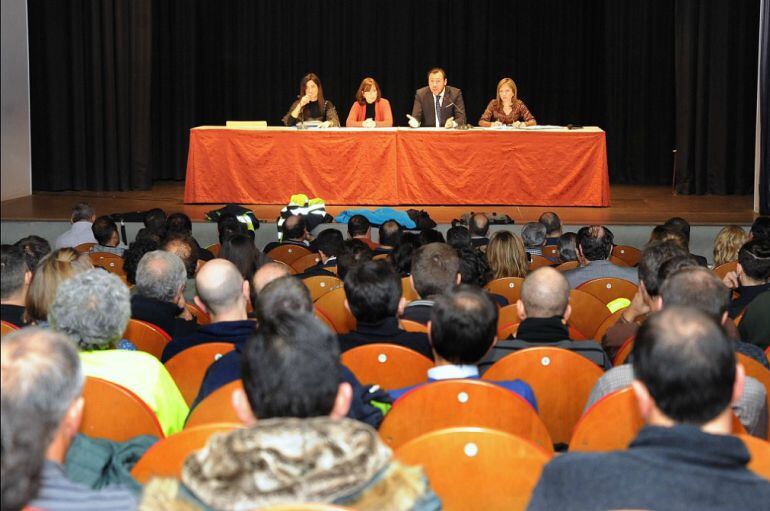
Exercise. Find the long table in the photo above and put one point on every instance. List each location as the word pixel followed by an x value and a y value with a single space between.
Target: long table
pixel 392 166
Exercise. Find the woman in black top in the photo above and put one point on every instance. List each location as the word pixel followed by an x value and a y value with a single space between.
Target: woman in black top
pixel 311 105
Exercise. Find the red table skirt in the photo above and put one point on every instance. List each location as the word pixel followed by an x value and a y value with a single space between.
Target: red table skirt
pixel 398 166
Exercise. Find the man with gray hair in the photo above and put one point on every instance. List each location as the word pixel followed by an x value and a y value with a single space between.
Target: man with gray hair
pixel 223 294
pixel 82 219
pixel 158 296
pixel 533 234
pixel 544 311
pixel 42 406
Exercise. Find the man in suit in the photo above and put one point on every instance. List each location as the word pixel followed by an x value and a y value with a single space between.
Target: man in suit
pixel 437 104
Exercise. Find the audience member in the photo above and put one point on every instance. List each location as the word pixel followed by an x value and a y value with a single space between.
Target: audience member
pixel 463 328
pixel 544 310
pixel 435 270
pixel 402 256
pixel 552 224
pixel 80 232
pixel 374 296
pixel 93 308
pixel 181 223
pixel 458 237
pixel 479 229
pixel 760 228
pixel 533 236
pixel 662 233
pixel 683 226
pixel 42 407
pixel 354 252
pixel 266 274
pixel 566 247
pixel 154 224
pixel 224 295
pixel 727 244
pixel 15 279
pixel 183 246
pixel 240 250
pixel 34 249
pixel 329 244
pixel 294 397
pixel 228 225
pixel 134 254
pixel 474 269
pixel 594 246
pixel 54 269
pixel 685 380
pixel 390 237
pixel 158 295
pixel 359 228
pixel 107 238
pixel 428 236
pixel 294 230
pixel 752 275
pixel 506 255
pixel 754 328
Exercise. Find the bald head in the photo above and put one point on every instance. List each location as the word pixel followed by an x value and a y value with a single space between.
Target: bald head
pixel 220 286
pixel 479 225
pixel 268 273
pixel 545 293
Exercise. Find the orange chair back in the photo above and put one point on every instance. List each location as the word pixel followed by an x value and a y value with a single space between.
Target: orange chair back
pixel 562 381
pixel 462 403
pixel 617 261
pixel 166 457
pixel 410 294
pixel 84 247
pixel 201 317
pixel 551 251
pixel 538 262
pixel 628 254
pixel 216 407
pixel 214 249
pixel 758 372
pixel 724 269
pixel 321 284
pixel 569 265
pixel 607 324
pixel 477 468
pixel 331 308
pixel 288 253
pixel 147 337
pixel 113 263
pixel 507 317
pixel 114 412
pixel 188 367
pixel 509 287
pixel 608 289
pixel 588 312
pixel 413 326
pixel 387 365
pixel 305 262
pixel 7 328
pixel 625 350
pixel 760 455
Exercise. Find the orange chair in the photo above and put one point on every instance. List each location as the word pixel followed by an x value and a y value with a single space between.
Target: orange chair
pixel 462 403
pixel 321 284
pixel 538 262
pixel 562 381
pixel 114 412
pixel 188 367
pixel 625 350
pixel 760 455
pixel 305 262
pixel 214 249
pixel 617 261
pixel 331 308
pixel 569 265
pixel 507 317
pixel 388 365
pixel 216 407
pixel 410 294
pixel 724 269
pixel 509 287
pixel 113 263
pixel 166 457
pixel 607 324
pixel 413 326
pixel 758 372
pixel 588 313
pixel 551 251
pixel 288 253
pixel 84 247
pixel 608 289
pixel 201 317
pixel 477 468
pixel 7 328
pixel 628 254
pixel 147 337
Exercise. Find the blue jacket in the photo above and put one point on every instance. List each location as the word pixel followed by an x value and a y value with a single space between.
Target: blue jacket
pixel 224 331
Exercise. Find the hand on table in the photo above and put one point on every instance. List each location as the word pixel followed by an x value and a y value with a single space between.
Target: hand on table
pixel 368 123
pixel 325 124
pixel 450 123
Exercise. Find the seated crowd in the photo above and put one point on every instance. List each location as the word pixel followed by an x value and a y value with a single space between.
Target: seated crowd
pixel 681 341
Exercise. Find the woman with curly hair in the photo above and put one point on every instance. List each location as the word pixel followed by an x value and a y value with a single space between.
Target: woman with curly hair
pixel 727 244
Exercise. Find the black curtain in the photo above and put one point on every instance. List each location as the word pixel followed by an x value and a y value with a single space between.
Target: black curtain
pixel 764 106
pixel 604 63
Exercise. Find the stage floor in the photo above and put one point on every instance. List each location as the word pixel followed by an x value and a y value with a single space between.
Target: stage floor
pixel 631 205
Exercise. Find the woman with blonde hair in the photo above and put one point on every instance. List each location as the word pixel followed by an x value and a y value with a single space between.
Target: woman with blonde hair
pixel 507 108
pixel 53 269
pixel 506 255
pixel 727 244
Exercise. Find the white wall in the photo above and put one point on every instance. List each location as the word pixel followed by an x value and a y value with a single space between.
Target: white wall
pixel 16 160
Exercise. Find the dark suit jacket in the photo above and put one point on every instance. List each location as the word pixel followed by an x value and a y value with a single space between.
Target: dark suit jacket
pixel 424 109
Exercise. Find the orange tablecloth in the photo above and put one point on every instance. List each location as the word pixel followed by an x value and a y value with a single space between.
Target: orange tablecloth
pixel 398 166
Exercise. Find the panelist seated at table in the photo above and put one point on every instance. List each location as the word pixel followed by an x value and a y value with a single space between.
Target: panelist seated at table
pixel 370 109
pixel 437 104
pixel 507 109
pixel 311 105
